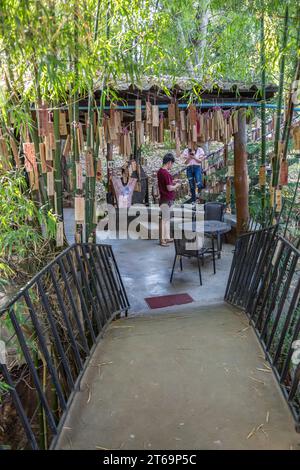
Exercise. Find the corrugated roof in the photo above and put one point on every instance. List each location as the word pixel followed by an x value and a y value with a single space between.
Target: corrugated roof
pixel 185 84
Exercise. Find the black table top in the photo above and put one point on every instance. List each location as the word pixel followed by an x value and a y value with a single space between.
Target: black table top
pixel 206 226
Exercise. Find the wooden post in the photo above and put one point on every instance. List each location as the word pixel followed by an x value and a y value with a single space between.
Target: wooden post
pixel 241 172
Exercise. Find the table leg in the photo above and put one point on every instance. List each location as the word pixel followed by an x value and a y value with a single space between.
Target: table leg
pixel 219 245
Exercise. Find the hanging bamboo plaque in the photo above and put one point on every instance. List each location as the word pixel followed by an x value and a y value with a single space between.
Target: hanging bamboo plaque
pixel 89 163
pixel 36 179
pixel 171 112
pixel 296 137
pixel 79 209
pixel 284 172
pixel 99 171
pixel 278 200
pixel 182 121
pixel 192 115
pixel 70 179
pixel 102 142
pixel 43 121
pixel 67 147
pixel 79 181
pixel 138 110
pixel 30 159
pixel 60 234
pixel 48 150
pixel 52 141
pixel 148 112
pixel 43 157
pixel 63 124
pixel 118 123
pixel 128 145
pixel 138 134
pixel 112 130
pixel 272 193
pixel 33 180
pixel 262 175
pixel 50 183
pixel 155 116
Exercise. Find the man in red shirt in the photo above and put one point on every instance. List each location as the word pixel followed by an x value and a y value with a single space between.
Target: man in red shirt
pixel 167 189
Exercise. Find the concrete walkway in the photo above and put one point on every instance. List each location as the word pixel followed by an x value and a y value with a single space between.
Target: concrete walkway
pixel 191 379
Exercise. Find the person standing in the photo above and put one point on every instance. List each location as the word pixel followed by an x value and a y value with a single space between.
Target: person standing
pixel 167 188
pixel 193 161
pixel 124 186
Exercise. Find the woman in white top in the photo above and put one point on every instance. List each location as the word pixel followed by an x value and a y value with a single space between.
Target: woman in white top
pixel 193 161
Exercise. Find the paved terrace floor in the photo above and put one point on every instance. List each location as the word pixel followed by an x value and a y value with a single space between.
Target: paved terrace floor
pixel 191 379
pixel 146 267
pixel 186 377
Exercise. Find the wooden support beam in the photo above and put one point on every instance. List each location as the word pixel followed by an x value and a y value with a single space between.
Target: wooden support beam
pixel 241 184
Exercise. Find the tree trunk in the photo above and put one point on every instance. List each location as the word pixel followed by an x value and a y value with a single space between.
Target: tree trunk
pixel 241 172
pixel 200 44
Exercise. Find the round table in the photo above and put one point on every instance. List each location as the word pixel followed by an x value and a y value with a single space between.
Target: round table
pixel 209 227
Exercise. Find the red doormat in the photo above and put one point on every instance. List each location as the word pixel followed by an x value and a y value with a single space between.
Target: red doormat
pixel 168 300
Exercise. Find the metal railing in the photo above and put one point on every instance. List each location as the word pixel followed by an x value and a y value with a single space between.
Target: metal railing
pixel 265 281
pixel 51 328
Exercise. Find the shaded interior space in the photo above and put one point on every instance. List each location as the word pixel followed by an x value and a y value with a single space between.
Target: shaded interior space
pixel 194 378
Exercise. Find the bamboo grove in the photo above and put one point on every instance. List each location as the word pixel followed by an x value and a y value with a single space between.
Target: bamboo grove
pixel 55 53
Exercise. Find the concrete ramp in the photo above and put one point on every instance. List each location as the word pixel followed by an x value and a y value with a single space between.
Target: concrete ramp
pixel 192 379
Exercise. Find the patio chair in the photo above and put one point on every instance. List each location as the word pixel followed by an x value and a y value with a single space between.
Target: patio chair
pixel 215 211
pixel 181 251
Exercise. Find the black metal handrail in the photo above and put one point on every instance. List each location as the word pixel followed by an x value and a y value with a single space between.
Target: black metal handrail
pixel 52 326
pixel 265 281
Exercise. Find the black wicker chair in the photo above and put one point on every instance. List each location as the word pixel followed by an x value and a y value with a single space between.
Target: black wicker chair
pixel 181 251
pixel 215 211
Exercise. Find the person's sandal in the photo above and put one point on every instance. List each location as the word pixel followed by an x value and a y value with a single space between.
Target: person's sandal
pixel 170 240
pixel 163 243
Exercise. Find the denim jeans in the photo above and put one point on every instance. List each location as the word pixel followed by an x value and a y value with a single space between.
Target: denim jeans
pixel 194 175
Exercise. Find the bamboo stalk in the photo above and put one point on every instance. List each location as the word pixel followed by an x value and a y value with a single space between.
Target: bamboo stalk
pixel 92 146
pixel 276 158
pixel 57 166
pixel 76 156
pixel 263 107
